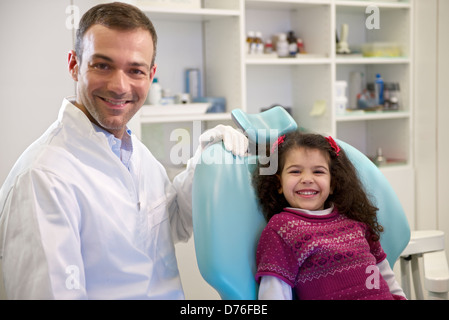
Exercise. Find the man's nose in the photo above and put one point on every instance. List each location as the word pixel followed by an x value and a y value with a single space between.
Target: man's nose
pixel 118 83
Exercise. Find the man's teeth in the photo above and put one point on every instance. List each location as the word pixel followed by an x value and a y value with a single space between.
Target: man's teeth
pixel 117 103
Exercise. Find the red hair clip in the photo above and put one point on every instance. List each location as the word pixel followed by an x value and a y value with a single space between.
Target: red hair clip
pixel 334 145
pixel 277 143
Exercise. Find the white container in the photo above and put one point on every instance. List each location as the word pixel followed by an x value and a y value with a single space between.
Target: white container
pixel 155 93
pixel 193 83
pixel 340 89
pixel 340 105
pixel 282 46
pixel 356 86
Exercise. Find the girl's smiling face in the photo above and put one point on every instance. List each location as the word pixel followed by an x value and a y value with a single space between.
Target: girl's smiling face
pixel 305 179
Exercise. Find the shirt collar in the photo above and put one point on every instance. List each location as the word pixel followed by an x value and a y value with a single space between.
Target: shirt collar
pixel 314 213
pixel 123 148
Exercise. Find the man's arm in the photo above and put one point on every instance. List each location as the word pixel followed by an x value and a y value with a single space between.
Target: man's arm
pixel 40 244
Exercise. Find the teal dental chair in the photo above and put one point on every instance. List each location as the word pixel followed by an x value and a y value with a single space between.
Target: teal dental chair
pixel 227 222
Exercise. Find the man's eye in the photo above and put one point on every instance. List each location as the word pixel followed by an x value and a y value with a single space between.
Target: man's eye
pixel 138 72
pixel 101 66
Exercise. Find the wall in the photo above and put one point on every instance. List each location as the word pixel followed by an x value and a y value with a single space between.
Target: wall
pixel 431 115
pixel 34 77
pixel 443 118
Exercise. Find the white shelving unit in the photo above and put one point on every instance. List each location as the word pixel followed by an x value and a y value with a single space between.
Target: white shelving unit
pixel 308 81
pixel 213 40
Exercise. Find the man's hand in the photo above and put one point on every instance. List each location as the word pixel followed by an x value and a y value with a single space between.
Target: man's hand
pixel 234 140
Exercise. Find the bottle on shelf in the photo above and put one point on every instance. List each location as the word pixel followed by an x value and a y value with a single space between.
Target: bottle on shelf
pixel 155 93
pixel 282 46
pixel 380 160
pixel 391 95
pixel 292 44
pixel 250 42
pixel 268 47
pixel 301 48
pixel 259 47
pixel 379 89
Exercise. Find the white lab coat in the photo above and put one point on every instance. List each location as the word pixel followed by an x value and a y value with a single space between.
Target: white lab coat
pixel 74 225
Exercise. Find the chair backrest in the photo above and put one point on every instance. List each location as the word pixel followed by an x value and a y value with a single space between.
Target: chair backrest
pixel 227 221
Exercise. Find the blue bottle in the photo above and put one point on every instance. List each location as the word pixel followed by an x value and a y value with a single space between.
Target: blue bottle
pixel 379 89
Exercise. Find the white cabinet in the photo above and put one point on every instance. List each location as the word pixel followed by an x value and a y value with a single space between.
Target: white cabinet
pixel 307 83
pixel 390 130
pixel 207 39
pixel 213 40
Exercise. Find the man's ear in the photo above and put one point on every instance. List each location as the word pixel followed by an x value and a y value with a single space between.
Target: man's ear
pixel 153 72
pixel 73 65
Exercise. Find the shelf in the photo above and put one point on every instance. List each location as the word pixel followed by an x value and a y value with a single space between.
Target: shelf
pixel 274 60
pixel 392 167
pixel 380 4
pixel 188 14
pixel 284 4
pixel 185 118
pixel 179 113
pixel 379 115
pixel 357 59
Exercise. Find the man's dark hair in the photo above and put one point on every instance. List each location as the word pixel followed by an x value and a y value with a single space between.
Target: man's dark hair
pixel 117 15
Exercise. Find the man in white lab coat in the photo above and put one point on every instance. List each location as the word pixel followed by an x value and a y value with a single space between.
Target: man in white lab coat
pixel 87 212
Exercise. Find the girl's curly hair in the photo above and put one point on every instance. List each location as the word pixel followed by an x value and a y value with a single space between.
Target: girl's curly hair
pixel 348 196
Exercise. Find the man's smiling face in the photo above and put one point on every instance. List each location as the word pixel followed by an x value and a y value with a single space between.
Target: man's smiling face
pixel 114 75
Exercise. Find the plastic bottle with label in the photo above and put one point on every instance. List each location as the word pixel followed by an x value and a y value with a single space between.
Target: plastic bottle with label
pixel 282 46
pixel 155 93
pixel 379 89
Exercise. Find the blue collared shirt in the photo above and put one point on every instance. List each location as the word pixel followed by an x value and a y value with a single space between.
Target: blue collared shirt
pixel 123 149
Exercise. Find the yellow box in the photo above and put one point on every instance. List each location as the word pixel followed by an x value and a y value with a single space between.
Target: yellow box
pixel 381 49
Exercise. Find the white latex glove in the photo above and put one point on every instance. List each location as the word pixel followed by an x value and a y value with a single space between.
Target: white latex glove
pixel 234 140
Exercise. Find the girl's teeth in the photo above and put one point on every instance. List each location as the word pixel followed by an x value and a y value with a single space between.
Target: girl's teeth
pixel 307 193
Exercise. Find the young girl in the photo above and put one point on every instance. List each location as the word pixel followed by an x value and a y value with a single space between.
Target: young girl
pixel 322 236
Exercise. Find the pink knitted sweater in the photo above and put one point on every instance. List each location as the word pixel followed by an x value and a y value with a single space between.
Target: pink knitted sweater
pixel 322 257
